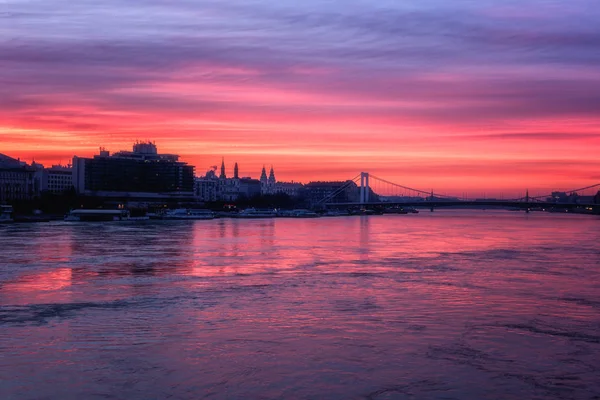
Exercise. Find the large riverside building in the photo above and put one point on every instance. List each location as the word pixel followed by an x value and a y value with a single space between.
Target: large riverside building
pixel 139 174
pixel 332 192
pixel 292 189
pixel 207 188
pixel 249 187
pixel 17 181
pixel 57 179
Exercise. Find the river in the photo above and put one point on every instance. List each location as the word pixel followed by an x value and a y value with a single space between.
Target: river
pixel 442 305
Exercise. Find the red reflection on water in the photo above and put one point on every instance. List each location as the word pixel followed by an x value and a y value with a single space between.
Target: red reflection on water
pixel 38 288
pixel 323 304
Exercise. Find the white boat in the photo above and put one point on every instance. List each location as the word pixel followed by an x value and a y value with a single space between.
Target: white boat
pixel 97 215
pixel 336 213
pixel 284 213
pixel 302 213
pixel 6 214
pixel 256 213
pixel 188 213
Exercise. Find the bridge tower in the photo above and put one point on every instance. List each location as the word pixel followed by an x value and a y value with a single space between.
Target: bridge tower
pixel 527 201
pixel 364 187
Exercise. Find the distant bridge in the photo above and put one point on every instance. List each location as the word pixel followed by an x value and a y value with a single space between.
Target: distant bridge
pixel 411 197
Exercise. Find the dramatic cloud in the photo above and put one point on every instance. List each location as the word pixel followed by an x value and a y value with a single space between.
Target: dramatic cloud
pixel 430 93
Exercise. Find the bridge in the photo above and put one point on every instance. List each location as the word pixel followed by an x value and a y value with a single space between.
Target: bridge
pixel 379 193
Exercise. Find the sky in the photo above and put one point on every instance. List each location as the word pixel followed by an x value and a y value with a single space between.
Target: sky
pixel 462 96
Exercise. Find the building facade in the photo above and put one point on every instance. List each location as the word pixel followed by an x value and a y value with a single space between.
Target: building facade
pixel 206 189
pixel 229 188
pixel 332 192
pixel 210 188
pixel 250 187
pixel 292 189
pixel 17 180
pixel 57 179
pixel 141 173
pixel 221 188
pixel 268 183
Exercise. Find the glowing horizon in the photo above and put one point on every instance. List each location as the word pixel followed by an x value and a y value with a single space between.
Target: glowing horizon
pixel 493 97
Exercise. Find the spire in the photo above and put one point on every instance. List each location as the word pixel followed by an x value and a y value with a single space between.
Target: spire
pixel 236 174
pixel 222 176
pixel 263 176
pixel 271 176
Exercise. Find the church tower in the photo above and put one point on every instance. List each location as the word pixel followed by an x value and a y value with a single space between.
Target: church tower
pixel 264 181
pixel 272 177
pixel 222 176
pixel 263 176
pixel 271 183
pixel 236 174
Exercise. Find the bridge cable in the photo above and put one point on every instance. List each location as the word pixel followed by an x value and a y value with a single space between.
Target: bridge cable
pixel 339 190
pixel 409 188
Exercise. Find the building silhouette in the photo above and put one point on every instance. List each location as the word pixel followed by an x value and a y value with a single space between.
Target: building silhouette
pixel 57 179
pixel 250 187
pixel 211 187
pixel 139 174
pixel 223 176
pixel 267 183
pixel 264 181
pixel 292 189
pixel 333 191
pixel 17 180
pixel 271 182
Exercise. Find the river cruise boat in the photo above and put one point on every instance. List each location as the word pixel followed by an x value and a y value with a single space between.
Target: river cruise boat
pixel 188 213
pixel 298 213
pixel 335 213
pixel 302 213
pixel 256 213
pixel 395 210
pixel 97 215
pixel 365 211
pixel 6 214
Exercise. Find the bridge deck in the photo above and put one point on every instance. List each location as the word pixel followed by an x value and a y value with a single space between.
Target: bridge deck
pixel 488 203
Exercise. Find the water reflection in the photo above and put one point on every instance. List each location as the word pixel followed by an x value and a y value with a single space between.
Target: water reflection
pixel 42 287
pixel 364 238
pixel 442 305
pixel 136 249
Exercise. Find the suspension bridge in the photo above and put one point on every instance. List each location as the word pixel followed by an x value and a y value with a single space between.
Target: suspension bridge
pixel 368 191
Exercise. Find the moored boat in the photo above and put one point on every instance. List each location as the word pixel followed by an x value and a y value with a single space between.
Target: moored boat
pixel 97 215
pixel 302 213
pixel 256 213
pixel 335 213
pixel 366 211
pixel 395 211
pixel 188 213
pixel 6 213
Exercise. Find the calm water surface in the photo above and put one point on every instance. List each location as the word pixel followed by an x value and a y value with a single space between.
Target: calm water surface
pixel 443 305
